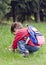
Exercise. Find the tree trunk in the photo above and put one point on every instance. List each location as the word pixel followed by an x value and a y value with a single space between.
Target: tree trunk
pixel 38 17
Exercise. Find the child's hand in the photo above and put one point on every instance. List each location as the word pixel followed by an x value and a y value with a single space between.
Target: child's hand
pixel 11 50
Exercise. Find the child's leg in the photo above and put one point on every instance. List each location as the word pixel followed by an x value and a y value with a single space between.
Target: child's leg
pixel 21 47
pixel 32 48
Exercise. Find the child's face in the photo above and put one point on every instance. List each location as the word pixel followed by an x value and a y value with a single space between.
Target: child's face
pixel 15 31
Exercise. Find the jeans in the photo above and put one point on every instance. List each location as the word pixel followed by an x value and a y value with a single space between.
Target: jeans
pixel 23 47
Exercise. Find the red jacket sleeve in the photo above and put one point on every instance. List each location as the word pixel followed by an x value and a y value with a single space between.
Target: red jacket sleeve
pixel 16 39
pixel 19 36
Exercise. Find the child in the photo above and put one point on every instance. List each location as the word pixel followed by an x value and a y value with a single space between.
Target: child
pixel 22 40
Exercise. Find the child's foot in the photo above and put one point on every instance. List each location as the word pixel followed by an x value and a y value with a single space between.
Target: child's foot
pixel 25 54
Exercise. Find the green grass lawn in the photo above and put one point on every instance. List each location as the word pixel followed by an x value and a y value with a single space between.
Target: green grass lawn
pixel 10 58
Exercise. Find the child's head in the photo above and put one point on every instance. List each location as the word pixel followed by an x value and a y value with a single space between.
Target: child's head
pixel 15 26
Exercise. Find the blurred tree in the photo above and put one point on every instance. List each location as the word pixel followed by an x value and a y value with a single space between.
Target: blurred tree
pixel 4 8
pixel 25 8
pixel 22 9
pixel 42 10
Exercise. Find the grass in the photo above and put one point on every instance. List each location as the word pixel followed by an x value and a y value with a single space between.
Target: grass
pixel 10 58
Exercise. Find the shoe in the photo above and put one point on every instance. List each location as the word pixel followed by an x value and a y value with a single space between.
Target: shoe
pixel 26 54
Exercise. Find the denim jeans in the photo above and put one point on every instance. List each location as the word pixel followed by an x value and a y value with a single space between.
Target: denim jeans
pixel 23 47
